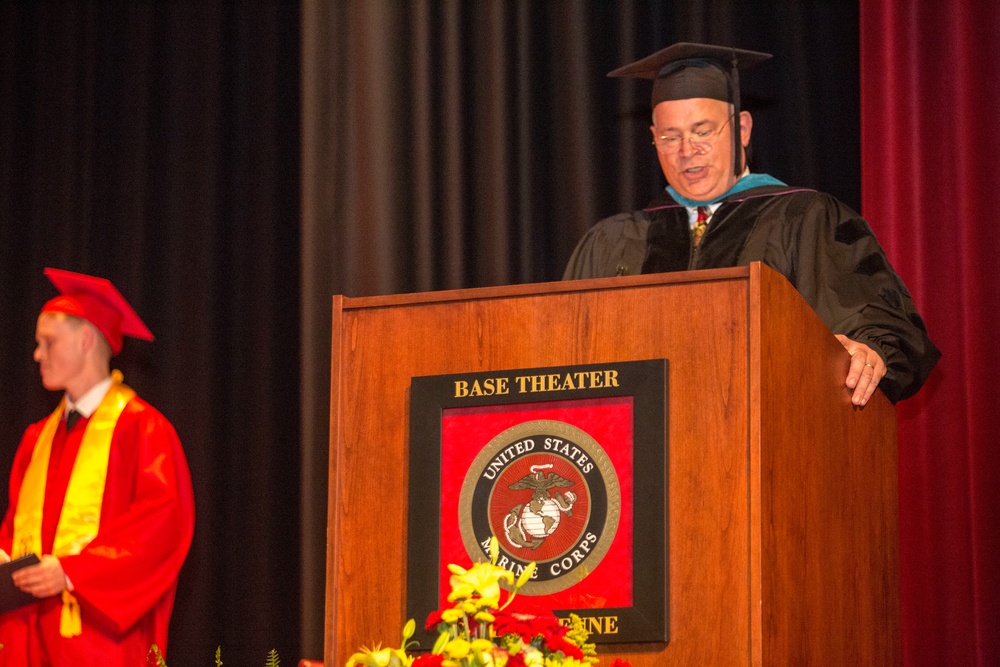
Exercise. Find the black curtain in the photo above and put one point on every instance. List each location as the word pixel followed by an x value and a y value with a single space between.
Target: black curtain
pixel 156 144
pixel 453 144
pixel 231 165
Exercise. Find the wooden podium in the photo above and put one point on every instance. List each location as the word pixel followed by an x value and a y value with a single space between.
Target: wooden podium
pixel 782 507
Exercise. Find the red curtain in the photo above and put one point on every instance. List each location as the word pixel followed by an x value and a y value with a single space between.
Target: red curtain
pixel 930 97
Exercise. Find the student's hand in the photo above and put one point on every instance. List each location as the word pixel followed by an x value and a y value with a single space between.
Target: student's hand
pixel 43 580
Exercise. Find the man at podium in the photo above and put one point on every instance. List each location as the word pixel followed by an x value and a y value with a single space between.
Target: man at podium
pixel 714 213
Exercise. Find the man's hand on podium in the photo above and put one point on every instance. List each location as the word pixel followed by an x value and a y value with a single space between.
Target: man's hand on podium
pixel 867 369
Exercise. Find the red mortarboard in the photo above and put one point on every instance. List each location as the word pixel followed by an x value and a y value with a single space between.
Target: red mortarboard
pixel 99 302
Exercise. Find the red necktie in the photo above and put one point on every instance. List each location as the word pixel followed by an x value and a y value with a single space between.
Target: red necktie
pixel 700 224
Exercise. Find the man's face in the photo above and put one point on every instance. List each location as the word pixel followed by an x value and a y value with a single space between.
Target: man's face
pixel 60 350
pixel 694 142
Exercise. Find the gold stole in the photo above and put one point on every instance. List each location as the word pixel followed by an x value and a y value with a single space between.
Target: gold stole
pixel 81 511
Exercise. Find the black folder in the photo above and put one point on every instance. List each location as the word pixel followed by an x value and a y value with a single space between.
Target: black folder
pixel 12 597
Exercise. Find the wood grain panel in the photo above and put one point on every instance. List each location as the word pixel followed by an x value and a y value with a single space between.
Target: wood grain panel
pixel 737 427
pixel 830 586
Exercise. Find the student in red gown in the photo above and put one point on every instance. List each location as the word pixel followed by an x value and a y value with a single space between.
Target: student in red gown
pixel 100 491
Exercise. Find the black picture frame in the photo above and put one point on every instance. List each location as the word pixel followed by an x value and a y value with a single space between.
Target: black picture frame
pixel 646 382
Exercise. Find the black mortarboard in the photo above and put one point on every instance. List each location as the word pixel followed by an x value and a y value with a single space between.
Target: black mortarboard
pixel 686 70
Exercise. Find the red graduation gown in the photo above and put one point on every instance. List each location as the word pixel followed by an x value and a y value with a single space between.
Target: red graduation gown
pixel 126 578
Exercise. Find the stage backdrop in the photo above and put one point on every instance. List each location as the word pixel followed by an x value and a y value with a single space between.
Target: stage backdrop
pixel 930 75
pixel 157 144
pixel 456 144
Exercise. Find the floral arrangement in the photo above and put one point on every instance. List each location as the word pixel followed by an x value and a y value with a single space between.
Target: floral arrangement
pixel 478 631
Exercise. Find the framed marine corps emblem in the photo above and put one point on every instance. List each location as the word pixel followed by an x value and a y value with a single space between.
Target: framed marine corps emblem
pixel 567 467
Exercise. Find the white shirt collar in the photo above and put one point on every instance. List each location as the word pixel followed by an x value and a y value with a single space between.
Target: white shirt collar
pixel 89 402
pixel 712 208
pixel 693 212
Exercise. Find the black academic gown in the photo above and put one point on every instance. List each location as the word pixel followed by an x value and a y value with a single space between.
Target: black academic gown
pixel 826 250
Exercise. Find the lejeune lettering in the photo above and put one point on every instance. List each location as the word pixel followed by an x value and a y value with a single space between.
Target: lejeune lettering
pixel 531 384
pixel 597 625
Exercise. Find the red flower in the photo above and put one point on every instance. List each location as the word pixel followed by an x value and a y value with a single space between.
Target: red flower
pixel 527 626
pixel 555 641
pixel 429 660
pixel 433 620
pixel 620 663
pixel 516 660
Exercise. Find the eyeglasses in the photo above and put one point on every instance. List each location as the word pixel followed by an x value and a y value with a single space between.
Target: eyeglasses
pixel 702 141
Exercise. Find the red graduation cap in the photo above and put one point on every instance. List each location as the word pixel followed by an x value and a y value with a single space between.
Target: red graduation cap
pixel 99 302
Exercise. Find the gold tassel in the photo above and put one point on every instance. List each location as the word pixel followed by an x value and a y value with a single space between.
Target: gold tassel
pixel 70 624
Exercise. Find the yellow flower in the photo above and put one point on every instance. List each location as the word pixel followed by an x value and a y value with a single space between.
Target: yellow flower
pixel 565 662
pixel 451 615
pixel 485 617
pixel 482 579
pixel 385 657
pixel 376 657
pixel 532 657
pixel 483 660
pixel 483 645
pixel 526 575
pixel 457 648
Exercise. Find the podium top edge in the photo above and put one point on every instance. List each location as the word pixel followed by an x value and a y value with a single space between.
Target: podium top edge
pixel 534 289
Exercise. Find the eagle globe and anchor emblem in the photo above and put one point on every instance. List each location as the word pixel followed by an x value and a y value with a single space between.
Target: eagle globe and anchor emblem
pixel 550 493
pixel 530 523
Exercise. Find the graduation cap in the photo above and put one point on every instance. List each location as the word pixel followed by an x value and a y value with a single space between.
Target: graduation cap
pixel 97 301
pixel 686 70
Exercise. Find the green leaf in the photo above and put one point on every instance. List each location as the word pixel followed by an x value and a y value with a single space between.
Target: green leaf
pixel 441 641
